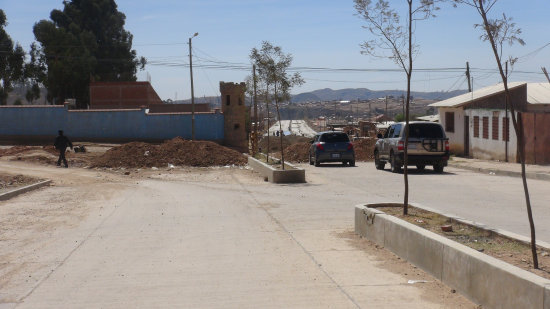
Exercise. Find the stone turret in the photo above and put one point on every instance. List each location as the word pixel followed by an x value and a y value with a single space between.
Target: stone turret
pixel 234 111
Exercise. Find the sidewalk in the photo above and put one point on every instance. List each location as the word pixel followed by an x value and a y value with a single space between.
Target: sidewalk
pixel 540 172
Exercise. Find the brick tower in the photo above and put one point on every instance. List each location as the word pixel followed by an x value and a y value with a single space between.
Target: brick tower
pixel 234 112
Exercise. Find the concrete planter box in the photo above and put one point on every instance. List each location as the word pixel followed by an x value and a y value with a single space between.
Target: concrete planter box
pixel 291 173
pixel 483 279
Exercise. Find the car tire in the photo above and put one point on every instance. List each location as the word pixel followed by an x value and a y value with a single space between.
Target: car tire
pixel 310 160
pixel 379 164
pixel 344 163
pixel 420 167
pixel 394 167
pixel 351 163
pixel 438 168
pixel 316 162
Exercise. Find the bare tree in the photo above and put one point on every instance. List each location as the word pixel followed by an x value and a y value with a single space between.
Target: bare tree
pixel 272 66
pixel 394 40
pixel 498 32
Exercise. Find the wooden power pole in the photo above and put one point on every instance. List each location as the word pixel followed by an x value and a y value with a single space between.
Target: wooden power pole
pixel 468 76
pixel 546 73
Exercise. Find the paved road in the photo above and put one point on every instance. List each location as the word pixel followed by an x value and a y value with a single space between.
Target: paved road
pixel 497 201
pixel 296 127
pixel 198 239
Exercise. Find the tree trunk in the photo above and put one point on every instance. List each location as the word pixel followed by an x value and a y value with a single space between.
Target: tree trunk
pixel 280 129
pixel 406 148
pixel 517 129
pixel 268 137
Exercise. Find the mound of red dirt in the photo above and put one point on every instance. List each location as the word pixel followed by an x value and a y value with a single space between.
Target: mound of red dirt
pixel 16 150
pixel 178 152
pixel 297 152
pixel 364 149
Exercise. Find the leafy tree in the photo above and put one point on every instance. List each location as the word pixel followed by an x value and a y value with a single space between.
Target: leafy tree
pixel 11 61
pixel 84 42
pixel 498 32
pixel 394 40
pixel 272 66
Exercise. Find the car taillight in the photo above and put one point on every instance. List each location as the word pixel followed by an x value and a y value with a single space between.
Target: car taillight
pixel 320 147
pixel 446 145
pixel 400 145
pixel 350 146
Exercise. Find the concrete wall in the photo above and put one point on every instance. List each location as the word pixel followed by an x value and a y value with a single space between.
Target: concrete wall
pixel 483 279
pixel 106 125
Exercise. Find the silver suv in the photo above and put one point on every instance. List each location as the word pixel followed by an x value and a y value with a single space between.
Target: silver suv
pixel 428 145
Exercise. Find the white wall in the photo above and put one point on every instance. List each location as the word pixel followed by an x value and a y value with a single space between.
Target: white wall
pixel 456 138
pixel 489 149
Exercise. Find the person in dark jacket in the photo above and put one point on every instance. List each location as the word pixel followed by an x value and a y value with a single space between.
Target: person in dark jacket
pixel 61 143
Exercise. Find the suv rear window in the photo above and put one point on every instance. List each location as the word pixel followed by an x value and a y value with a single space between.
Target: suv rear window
pixel 426 130
pixel 334 137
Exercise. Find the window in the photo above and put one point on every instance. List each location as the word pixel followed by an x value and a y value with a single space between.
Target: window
pixel 486 127
pixel 396 130
pixel 390 132
pixel 425 130
pixel 505 129
pixel 476 126
pixel 495 128
pixel 236 126
pixel 334 138
pixel 227 99
pixel 450 122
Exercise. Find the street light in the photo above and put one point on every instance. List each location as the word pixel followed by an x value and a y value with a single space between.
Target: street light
pixel 192 90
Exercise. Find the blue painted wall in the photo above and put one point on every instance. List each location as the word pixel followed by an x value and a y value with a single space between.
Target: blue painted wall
pixel 109 124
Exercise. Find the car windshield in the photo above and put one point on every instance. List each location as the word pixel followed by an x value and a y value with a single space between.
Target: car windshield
pixel 425 130
pixel 334 138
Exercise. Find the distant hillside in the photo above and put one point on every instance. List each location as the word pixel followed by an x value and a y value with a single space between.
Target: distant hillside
pixel 349 94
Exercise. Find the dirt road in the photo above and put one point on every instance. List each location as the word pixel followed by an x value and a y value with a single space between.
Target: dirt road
pixel 195 238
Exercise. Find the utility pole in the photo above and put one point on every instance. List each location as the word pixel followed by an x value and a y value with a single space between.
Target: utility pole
pixel 468 76
pixel 255 141
pixel 546 73
pixel 192 90
pixel 386 106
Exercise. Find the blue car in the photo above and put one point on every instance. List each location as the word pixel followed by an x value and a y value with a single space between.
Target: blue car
pixel 331 146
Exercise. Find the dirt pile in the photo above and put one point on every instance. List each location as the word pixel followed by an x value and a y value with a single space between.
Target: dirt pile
pixel 364 149
pixel 178 152
pixel 16 150
pixel 275 142
pixel 297 152
pixel 11 181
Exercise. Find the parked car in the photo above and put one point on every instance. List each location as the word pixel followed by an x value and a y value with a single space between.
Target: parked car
pixel 428 145
pixel 331 146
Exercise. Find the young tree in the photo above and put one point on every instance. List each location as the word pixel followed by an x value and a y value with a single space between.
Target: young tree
pixel 394 40
pixel 11 61
pixel 498 32
pixel 84 42
pixel 272 65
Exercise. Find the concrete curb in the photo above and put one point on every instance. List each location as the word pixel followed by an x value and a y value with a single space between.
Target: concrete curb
pixel 16 192
pixel 291 174
pixel 483 279
pixel 529 175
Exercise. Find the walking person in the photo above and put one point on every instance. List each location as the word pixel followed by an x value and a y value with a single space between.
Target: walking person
pixel 61 143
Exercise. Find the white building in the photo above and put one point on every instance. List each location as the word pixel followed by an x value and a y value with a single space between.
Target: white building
pixel 479 123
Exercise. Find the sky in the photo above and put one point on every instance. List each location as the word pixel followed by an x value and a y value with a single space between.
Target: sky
pixel 319 34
